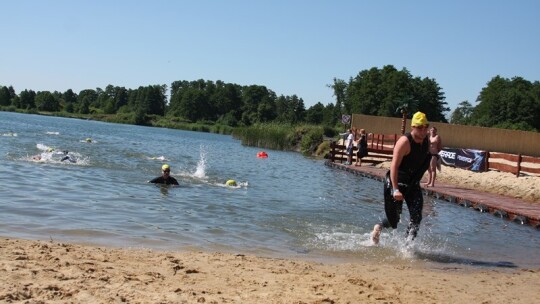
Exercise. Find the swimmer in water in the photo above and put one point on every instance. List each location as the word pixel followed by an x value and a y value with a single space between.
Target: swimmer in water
pixel 67 157
pixel 165 178
pixel 231 183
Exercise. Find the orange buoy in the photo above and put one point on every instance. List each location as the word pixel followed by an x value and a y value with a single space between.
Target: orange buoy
pixel 262 154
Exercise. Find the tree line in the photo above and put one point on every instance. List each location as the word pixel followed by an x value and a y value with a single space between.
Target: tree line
pixel 382 92
pixel 503 103
pixel 192 101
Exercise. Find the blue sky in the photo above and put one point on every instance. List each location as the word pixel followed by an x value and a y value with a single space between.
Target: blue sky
pixel 291 47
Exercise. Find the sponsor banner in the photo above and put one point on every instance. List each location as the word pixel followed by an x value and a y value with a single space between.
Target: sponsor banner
pixel 470 159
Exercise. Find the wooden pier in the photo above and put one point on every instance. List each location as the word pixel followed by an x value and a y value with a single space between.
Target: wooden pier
pixel 505 207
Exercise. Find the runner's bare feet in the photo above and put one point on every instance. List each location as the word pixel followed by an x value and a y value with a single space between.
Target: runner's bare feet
pixel 376 233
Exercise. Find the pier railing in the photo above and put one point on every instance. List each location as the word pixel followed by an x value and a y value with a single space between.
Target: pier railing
pixel 381 147
pixel 512 163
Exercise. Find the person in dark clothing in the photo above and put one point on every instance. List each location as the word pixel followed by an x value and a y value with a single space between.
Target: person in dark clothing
pixel 362 148
pixel 410 161
pixel 165 178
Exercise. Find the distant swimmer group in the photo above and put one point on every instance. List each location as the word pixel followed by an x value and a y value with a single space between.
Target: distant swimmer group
pixel 165 177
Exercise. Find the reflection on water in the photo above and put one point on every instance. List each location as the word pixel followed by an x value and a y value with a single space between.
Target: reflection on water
pixel 283 205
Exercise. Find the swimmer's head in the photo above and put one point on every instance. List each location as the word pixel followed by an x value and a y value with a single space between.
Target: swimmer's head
pixel 165 167
pixel 231 182
pixel 88 139
pixel 419 119
pixel 50 149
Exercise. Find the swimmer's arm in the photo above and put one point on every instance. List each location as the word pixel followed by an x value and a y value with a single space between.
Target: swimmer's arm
pixel 400 150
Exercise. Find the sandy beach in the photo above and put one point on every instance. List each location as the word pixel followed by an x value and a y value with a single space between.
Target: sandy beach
pixel 52 272
pixel 526 188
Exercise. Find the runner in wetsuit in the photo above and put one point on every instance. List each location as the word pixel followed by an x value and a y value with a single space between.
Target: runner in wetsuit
pixel 410 161
pixel 165 178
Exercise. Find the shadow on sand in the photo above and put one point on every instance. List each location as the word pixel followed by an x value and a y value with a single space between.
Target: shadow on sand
pixel 447 259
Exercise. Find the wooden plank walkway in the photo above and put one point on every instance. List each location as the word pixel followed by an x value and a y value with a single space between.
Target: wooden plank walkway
pixel 505 207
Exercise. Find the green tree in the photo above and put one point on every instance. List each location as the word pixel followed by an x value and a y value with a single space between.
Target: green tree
pixel 27 100
pixel 430 99
pixel 5 96
pixel 508 103
pixel 84 105
pixel 227 99
pixel 462 113
pixel 45 101
pixel 85 99
pixel 340 92
pixel 315 114
pixel 380 91
pixel 252 96
pixel 329 115
pixel 70 99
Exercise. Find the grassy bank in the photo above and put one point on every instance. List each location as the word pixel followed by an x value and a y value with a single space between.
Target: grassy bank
pixel 307 139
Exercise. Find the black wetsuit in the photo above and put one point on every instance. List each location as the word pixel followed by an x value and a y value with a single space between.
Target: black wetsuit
pixel 412 168
pixel 161 180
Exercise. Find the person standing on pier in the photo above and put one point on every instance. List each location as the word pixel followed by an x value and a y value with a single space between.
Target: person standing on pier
pixel 362 148
pixel 349 144
pixel 435 146
pixel 410 161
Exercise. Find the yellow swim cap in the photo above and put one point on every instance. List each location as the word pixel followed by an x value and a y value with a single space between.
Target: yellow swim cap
pixel 231 182
pixel 419 119
pixel 50 149
pixel 165 167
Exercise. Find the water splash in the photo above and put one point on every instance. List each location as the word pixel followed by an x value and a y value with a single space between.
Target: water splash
pixel 341 241
pixel 200 172
pixel 160 158
pixel 51 155
pixel 43 147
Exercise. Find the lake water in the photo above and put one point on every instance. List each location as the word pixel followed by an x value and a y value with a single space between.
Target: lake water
pixel 286 205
